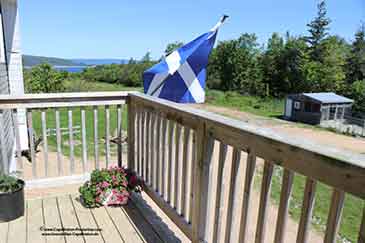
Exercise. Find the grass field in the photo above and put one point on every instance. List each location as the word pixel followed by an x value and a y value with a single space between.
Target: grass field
pixel 268 107
pixel 264 107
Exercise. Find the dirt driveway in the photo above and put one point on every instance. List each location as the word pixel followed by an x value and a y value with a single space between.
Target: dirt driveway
pixel 292 129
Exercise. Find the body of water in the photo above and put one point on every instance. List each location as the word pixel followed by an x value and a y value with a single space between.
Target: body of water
pixel 71 69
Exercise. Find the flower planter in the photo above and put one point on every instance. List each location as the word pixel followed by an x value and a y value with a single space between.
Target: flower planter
pixel 12 204
pixel 109 187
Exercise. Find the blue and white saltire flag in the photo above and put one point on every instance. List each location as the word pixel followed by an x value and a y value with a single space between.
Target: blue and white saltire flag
pixel 180 77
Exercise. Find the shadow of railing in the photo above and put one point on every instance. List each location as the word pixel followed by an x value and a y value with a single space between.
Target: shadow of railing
pixel 140 208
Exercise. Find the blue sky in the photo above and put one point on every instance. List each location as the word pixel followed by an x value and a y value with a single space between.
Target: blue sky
pixel 126 28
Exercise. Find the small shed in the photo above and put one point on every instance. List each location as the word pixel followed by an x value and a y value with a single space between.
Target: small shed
pixel 314 108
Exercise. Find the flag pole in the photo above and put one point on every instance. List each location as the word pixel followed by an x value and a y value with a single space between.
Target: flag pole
pixel 215 28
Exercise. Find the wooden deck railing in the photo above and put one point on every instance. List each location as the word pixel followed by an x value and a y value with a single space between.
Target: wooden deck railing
pixel 173 148
pixel 76 121
pixel 197 166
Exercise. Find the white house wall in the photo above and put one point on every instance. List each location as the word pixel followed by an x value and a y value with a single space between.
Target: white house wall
pixel 10 45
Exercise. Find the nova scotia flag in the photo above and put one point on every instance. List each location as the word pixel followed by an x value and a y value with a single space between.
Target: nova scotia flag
pixel 180 77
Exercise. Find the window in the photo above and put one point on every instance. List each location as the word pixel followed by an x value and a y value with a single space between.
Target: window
pixel 308 107
pixel 297 105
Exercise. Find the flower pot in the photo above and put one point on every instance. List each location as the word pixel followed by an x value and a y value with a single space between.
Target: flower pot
pixel 12 204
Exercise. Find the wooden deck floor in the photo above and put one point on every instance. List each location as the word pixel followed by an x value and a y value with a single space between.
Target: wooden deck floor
pixel 105 224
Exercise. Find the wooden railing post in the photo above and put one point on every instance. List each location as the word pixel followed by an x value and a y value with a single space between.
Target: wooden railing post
pixel 130 140
pixel 204 145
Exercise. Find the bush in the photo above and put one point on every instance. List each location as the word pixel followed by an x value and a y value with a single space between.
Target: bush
pixel 44 79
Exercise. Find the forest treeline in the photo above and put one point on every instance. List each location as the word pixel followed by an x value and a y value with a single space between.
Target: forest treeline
pixel 313 62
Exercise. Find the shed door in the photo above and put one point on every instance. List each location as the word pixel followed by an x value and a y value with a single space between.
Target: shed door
pixel 288 107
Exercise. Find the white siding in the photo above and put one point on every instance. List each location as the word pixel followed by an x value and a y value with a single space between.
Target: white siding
pixel 11 74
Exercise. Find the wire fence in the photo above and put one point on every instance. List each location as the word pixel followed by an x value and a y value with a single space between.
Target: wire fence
pixel 349 125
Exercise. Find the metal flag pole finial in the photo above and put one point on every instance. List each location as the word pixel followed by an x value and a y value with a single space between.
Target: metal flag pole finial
pixel 220 22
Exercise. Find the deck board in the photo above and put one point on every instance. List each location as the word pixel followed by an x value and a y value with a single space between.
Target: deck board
pixel 4 231
pixel 52 219
pixel 69 219
pixel 140 223
pixel 117 224
pixel 125 228
pixel 18 229
pixel 34 221
pixel 86 220
pixel 109 231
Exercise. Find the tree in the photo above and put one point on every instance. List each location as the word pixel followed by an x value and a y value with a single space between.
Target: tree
pixel 355 65
pixel 318 29
pixel 44 79
pixel 329 74
pixel 146 57
pixel 357 92
pixel 271 63
pixel 172 47
pixel 234 65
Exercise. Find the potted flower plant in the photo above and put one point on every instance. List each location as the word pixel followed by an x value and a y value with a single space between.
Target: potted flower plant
pixel 110 186
pixel 11 198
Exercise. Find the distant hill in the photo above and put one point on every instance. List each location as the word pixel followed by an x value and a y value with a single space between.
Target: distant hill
pixel 100 61
pixel 29 61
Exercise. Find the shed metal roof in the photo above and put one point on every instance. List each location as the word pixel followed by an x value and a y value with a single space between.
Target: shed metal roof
pixel 329 97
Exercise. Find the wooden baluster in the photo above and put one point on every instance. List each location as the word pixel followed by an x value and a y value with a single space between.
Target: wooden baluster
pixel 221 161
pixel 143 146
pixel 119 134
pixel 5 162
pixel 158 156
pixel 177 164
pixel 107 136
pixel 264 202
pixel 334 216
pixel 307 209
pixel 194 160
pixel 184 178
pixel 163 157
pixel 148 150
pixel 361 238
pixel 284 206
pixel 31 142
pixel 96 140
pixel 131 138
pixel 170 161
pixel 45 141
pixel 71 142
pixel 58 141
pixel 236 157
pixel 246 204
pixel 83 140
pixel 153 151
pixel 17 139
pixel 138 141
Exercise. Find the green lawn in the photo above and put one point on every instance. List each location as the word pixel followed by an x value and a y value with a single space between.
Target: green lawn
pixel 268 107
pixel 77 85
pixel 76 121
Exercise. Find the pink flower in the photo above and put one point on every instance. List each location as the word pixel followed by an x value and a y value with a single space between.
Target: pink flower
pixel 105 184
